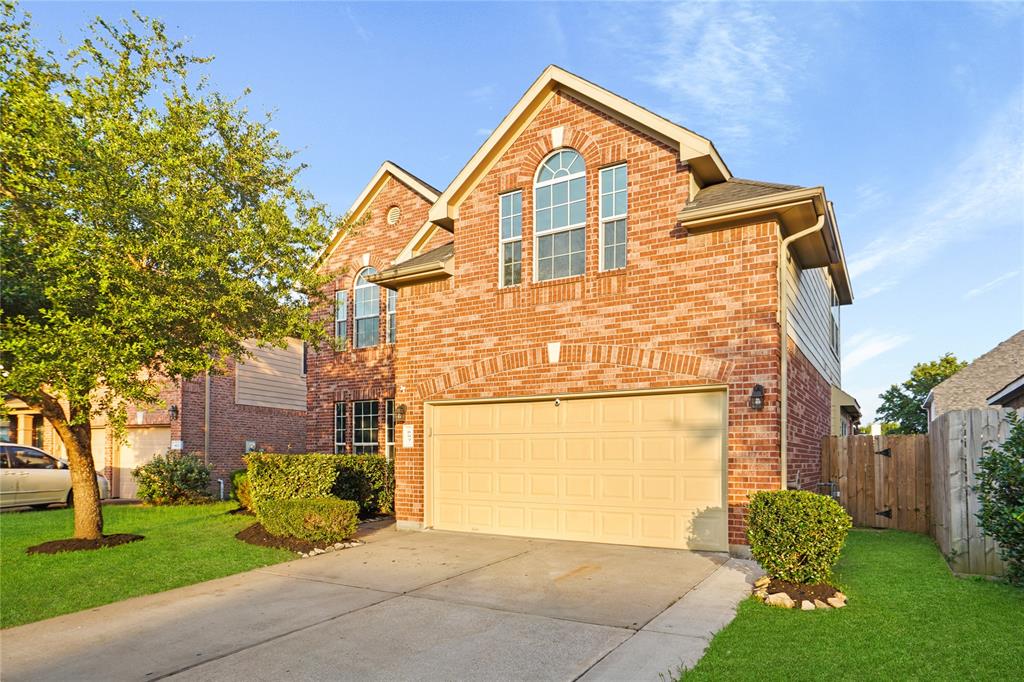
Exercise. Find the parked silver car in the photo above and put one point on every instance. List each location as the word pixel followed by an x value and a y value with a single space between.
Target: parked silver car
pixel 30 477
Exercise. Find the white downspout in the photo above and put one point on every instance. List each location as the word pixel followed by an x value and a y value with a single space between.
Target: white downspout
pixel 784 340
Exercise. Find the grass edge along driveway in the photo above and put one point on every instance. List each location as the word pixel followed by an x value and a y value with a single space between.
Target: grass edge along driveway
pixel 908 618
pixel 183 545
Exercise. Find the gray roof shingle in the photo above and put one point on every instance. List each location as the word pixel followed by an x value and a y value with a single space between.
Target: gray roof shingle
pixel 734 189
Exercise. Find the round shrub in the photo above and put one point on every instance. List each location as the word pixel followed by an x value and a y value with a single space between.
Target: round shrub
pixel 317 519
pixel 174 478
pixel 240 488
pixel 796 535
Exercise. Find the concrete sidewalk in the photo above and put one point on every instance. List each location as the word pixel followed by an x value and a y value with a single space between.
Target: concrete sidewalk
pixel 427 605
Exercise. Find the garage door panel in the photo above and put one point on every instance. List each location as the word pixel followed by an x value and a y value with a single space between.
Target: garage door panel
pixel 640 470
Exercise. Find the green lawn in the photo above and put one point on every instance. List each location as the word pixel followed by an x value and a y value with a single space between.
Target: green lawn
pixel 908 618
pixel 183 545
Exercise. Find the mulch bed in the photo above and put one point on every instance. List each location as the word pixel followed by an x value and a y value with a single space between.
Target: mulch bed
pixel 256 534
pixel 798 592
pixel 76 544
pixel 241 511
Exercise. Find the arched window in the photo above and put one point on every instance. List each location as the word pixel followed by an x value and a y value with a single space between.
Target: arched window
pixel 560 210
pixel 367 310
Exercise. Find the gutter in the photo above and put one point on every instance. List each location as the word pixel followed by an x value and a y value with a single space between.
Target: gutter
pixel 784 342
pixel 394 277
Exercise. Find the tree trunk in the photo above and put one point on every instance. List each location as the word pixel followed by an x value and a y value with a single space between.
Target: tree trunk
pixel 77 438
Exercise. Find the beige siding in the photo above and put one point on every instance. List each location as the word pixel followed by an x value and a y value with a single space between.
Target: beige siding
pixel 272 377
pixel 809 301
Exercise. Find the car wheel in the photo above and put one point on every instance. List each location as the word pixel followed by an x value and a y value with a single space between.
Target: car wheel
pixel 71 498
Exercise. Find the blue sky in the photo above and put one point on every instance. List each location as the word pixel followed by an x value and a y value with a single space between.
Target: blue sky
pixel 911 116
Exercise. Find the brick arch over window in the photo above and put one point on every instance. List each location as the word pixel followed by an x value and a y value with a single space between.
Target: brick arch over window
pixel 710 369
pixel 354 266
pixel 572 139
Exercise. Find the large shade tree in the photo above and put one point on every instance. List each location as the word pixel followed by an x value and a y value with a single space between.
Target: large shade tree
pixel 149 226
pixel 902 409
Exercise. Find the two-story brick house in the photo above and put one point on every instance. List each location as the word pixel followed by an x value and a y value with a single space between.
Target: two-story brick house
pixel 602 334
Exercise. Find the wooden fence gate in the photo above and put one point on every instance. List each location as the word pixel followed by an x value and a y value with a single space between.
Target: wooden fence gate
pixel 883 481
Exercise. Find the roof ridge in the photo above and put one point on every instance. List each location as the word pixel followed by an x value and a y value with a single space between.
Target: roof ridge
pixel 764 183
pixel 413 175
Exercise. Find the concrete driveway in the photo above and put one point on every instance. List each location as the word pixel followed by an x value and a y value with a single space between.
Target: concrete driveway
pixel 406 605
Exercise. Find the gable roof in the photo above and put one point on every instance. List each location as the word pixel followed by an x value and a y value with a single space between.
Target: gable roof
pixel 696 151
pixel 974 384
pixel 387 170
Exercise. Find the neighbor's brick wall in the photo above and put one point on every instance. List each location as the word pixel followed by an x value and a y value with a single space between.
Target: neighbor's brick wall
pixel 808 419
pixel 689 309
pixel 360 373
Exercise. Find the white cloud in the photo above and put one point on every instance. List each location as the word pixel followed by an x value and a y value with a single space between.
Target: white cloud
pixel 989 286
pixel 720 58
pixel 482 92
pixel 981 190
pixel 868 345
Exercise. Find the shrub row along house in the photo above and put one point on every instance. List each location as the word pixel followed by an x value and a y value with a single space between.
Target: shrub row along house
pixel 595 332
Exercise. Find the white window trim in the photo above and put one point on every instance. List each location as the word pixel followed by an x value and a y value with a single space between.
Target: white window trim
pixel 355 304
pixel 389 419
pixel 575 226
pixel 502 241
pixel 391 312
pixel 355 429
pixel 344 427
pixel 343 310
pixel 610 219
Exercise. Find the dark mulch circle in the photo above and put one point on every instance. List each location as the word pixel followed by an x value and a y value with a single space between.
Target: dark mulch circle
pixel 241 511
pixel 256 534
pixel 798 592
pixel 76 544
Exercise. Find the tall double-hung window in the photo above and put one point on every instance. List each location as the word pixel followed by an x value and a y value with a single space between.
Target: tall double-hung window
pixel 367 310
pixel 560 208
pixel 511 238
pixel 392 314
pixel 339 428
pixel 341 315
pixel 613 217
pixel 365 422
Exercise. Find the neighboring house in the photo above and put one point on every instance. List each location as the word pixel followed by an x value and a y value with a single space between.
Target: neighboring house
pixel 845 413
pixel 1010 395
pixel 258 404
pixel 352 381
pixel 973 385
pixel 601 334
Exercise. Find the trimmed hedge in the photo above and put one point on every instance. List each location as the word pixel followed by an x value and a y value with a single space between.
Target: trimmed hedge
pixel 240 488
pixel 173 478
pixel 319 519
pixel 796 535
pixel 369 480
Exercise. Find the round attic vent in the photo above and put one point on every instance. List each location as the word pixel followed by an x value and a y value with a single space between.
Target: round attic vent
pixel 394 214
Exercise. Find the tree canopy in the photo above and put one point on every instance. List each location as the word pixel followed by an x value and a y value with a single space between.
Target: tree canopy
pixel 149 225
pixel 901 409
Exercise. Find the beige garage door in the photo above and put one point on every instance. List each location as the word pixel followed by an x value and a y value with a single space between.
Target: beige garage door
pixel 634 470
pixel 141 445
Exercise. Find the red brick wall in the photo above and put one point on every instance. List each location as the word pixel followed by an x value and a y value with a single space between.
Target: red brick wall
pixel 360 373
pixel 688 309
pixel 808 419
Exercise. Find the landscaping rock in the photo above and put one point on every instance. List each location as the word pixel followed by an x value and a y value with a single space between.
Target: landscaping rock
pixel 836 603
pixel 339 545
pixel 781 600
pixel 820 604
pixel 761 594
pixel 840 595
pixel 807 606
pixel 762 581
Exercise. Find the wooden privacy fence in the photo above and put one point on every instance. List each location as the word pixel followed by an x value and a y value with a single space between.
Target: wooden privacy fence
pixel 958 440
pixel 923 483
pixel 883 481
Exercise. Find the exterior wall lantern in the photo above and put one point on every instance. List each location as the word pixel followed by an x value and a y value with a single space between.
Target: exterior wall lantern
pixel 400 413
pixel 173 411
pixel 757 397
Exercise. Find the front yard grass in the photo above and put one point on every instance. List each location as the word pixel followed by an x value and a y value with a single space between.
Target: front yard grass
pixel 183 545
pixel 908 618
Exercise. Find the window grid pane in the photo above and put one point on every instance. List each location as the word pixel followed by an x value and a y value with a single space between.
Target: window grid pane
pixel 367 310
pixel 364 427
pixel 613 217
pixel 560 216
pixel 511 232
pixel 339 428
pixel 341 314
